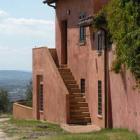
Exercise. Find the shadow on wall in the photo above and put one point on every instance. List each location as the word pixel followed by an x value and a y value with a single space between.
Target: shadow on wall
pixel 123 76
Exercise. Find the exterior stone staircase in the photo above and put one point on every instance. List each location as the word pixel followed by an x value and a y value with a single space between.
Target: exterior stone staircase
pixel 79 112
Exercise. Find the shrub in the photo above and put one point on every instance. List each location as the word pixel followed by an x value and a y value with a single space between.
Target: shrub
pixel 28 92
pixel 4 101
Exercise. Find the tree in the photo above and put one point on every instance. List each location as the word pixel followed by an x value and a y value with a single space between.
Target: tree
pixel 28 92
pixel 4 101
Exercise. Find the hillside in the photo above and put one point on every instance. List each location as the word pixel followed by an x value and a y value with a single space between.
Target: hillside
pixel 15 82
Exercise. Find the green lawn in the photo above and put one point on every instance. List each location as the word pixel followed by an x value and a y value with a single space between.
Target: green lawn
pixel 116 134
pixel 36 130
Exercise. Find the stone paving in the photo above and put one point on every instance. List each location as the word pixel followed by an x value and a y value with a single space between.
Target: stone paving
pixel 80 128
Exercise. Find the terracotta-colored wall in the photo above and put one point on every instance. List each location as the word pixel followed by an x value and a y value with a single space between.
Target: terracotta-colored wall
pixel 54 55
pixel 55 93
pixel 99 4
pixel 22 112
pixel 83 61
pixel 125 99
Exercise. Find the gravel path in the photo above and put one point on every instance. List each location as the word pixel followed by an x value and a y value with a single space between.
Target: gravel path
pixel 3 136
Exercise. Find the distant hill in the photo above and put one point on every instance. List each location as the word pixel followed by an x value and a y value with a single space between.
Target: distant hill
pixel 15 83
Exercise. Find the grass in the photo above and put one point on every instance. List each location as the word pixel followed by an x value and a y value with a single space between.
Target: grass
pixel 37 130
pixel 5 115
pixel 116 134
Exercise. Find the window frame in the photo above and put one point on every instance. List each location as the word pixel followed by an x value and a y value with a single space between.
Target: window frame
pixel 82 30
pixel 82 36
pixel 100 41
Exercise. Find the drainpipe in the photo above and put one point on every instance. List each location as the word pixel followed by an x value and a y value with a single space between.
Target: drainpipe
pixel 108 103
pixel 49 4
pixel 106 82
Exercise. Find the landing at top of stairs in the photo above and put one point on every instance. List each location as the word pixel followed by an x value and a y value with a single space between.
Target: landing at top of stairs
pixel 80 128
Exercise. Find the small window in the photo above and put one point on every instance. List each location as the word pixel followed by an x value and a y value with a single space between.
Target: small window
pixel 82 15
pixel 99 97
pixel 100 40
pixel 82 85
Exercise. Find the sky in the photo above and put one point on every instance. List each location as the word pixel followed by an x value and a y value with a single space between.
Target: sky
pixel 24 24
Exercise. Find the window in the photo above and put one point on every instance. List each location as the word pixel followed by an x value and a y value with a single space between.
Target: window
pixel 82 28
pixel 99 97
pixel 82 15
pixel 100 40
pixel 40 92
pixel 82 85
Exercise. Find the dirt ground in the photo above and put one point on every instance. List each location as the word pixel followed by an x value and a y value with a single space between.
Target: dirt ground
pixel 3 136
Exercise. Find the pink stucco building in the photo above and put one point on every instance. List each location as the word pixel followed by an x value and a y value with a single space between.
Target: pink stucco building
pixel 74 83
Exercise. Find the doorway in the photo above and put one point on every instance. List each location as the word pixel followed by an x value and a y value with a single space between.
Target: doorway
pixel 64 50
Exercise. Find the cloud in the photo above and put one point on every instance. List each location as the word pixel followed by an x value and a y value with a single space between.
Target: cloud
pixel 23 21
pixel 19 35
pixel 3 13
pixel 15 58
pixel 23 26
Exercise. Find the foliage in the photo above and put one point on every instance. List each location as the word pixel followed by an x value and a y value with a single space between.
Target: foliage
pixel 123 23
pixel 116 66
pixel 100 20
pixel 4 101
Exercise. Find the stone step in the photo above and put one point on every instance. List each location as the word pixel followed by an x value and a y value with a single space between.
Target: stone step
pixel 82 109
pixel 74 90
pixel 69 77
pixel 80 121
pixel 66 78
pixel 65 73
pixel 67 81
pixel 79 116
pixel 77 99
pixel 77 108
pixel 63 66
pixel 78 113
pixel 64 70
pixel 72 86
pixel 75 95
pixel 79 104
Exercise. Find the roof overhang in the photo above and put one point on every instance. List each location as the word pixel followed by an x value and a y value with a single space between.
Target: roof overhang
pixel 86 21
pixel 49 1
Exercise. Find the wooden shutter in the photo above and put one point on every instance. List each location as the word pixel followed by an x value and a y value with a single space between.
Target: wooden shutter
pixel 99 40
